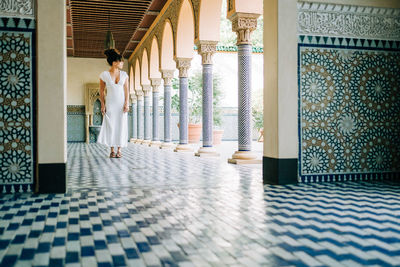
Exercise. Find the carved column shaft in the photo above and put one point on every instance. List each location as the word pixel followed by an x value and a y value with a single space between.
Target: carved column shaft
pixel 206 50
pixel 146 91
pixel 167 77
pixel 155 84
pixel 243 25
pixel 183 65
pixel 139 116
pixel 134 118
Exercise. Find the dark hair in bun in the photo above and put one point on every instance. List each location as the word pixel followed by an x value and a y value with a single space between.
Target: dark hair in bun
pixel 112 55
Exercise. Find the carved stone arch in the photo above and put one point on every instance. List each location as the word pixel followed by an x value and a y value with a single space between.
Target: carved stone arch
pixel 167 49
pixel 154 58
pixel 145 67
pixel 208 20
pixel 185 35
pixel 196 12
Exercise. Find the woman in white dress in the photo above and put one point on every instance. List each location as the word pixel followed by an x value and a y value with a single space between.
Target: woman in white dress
pixel 114 104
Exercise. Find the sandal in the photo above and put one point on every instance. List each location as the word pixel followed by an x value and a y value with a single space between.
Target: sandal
pixel 119 155
pixel 112 155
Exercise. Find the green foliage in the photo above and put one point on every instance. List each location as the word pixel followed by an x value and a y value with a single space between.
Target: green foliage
pixel 257 108
pixel 258 118
pixel 195 98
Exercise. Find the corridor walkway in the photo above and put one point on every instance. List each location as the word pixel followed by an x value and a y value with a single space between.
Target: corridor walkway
pixel 160 208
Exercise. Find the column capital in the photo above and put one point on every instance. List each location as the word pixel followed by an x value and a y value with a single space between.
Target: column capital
pixel 146 89
pixel 133 98
pixel 243 24
pixel 206 49
pixel 183 65
pixel 139 95
pixel 155 83
pixel 167 76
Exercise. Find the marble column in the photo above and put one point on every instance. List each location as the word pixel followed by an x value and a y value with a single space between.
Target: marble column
pixel 183 65
pixel 134 118
pixel 140 125
pixel 206 49
pixel 167 76
pixel 155 83
pixel 243 24
pixel 147 130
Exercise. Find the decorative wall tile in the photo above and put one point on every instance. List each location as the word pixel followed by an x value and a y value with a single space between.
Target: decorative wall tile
pixel 17 94
pixel 349 109
pixel 348 21
pixel 17 8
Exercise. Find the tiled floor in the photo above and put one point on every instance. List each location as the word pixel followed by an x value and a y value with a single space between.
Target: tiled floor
pixel 159 208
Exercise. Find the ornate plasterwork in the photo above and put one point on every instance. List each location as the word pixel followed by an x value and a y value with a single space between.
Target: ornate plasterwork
pixel 244 24
pixel 348 21
pixel 146 89
pixel 167 75
pixel 183 65
pixel 17 8
pixel 155 83
pixel 206 49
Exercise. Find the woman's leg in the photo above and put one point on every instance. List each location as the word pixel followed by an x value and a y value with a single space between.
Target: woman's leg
pixel 112 153
pixel 119 154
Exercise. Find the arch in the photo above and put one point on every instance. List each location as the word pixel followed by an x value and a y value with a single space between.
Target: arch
pixel 145 69
pixel 131 80
pixel 247 6
pixel 138 86
pixel 209 20
pixel 185 31
pixel 167 47
pixel 154 59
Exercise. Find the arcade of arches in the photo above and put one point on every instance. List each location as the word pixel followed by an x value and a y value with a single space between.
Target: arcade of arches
pixel 330 104
pixel 326 195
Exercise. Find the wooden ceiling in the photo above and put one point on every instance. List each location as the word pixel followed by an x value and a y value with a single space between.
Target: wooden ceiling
pixel 89 20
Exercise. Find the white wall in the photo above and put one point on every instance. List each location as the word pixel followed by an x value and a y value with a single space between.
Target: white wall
pixel 51 47
pixel 81 71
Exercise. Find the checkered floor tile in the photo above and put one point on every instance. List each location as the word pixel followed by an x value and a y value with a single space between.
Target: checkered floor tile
pixel 159 208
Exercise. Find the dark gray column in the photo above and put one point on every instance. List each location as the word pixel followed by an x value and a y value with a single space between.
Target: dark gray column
pixel 140 117
pixel 183 65
pixel 206 49
pixel 147 123
pixel 134 119
pixel 243 24
pixel 167 77
pixel 155 83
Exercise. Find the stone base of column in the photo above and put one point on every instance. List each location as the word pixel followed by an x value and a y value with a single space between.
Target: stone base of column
pixel 184 148
pixel 244 157
pixel 207 152
pixel 132 140
pixel 146 142
pixel 155 144
pixel 167 145
pixel 138 141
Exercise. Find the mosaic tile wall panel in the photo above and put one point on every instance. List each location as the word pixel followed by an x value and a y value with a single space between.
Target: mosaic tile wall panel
pixel 17 91
pixel 349 109
pixel 76 123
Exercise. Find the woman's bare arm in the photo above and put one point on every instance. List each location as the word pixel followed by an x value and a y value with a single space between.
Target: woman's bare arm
pixel 126 90
pixel 102 87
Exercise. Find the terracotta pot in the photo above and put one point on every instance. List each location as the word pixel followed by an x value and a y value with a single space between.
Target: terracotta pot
pixel 217 136
pixel 194 133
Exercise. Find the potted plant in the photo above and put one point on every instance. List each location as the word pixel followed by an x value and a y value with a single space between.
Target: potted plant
pixel 195 87
pixel 194 106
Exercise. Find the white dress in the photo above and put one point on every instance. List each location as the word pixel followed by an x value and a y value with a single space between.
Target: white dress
pixel 114 129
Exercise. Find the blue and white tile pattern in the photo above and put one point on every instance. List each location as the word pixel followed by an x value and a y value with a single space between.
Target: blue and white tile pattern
pixel 159 208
